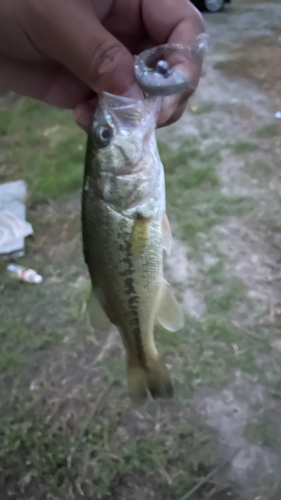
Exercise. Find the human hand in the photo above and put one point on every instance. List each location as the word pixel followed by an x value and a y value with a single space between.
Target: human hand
pixel 64 52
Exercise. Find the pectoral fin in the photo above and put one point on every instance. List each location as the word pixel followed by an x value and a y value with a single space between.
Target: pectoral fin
pixel 98 318
pixel 167 234
pixel 139 235
pixel 170 315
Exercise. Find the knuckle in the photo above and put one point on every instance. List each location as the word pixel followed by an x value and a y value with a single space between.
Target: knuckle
pixel 106 63
pixel 196 19
pixel 199 21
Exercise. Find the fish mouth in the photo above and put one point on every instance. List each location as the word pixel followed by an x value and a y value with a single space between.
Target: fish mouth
pixel 117 101
pixel 132 112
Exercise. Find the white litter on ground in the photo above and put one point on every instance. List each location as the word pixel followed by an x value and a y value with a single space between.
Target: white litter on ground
pixel 13 226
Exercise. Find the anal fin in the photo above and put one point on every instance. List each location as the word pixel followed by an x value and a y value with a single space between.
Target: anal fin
pixel 170 314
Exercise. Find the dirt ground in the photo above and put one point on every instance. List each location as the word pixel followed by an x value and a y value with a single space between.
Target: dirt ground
pixel 67 427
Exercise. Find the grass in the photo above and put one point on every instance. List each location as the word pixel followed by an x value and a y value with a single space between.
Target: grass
pixel 241 147
pixel 45 448
pixel 37 435
pixel 268 131
pixel 5 119
pixel 49 377
pixel 263 433
pixel 17 341
pixel 48 156
pixel 257 60
pixel 216 272
pixel 38 428
pixel 204 107
pixel 224 299
pixel 201 204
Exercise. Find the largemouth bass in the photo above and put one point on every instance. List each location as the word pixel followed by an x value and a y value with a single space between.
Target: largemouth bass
pixel 125 232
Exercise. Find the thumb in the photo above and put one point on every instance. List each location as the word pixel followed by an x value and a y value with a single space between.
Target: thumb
pixel 69 32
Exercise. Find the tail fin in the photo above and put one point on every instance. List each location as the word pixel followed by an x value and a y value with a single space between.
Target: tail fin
pixel 158 380
pixel 154 379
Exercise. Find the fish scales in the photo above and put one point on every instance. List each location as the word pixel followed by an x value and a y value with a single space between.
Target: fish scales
pixel 132 280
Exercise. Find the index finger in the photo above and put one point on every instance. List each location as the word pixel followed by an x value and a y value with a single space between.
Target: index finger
pixel 174 21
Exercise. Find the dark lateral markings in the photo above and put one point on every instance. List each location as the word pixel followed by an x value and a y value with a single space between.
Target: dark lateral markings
pixel 133 300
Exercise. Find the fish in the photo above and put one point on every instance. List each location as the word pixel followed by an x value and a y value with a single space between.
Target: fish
pixel 125 232
pixel 125 228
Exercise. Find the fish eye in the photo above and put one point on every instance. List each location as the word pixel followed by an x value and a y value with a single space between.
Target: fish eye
pixel 104 136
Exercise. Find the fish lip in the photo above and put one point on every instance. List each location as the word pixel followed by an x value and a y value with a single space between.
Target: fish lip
pixel 126 113
pixel 120 103
pixel 116 101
